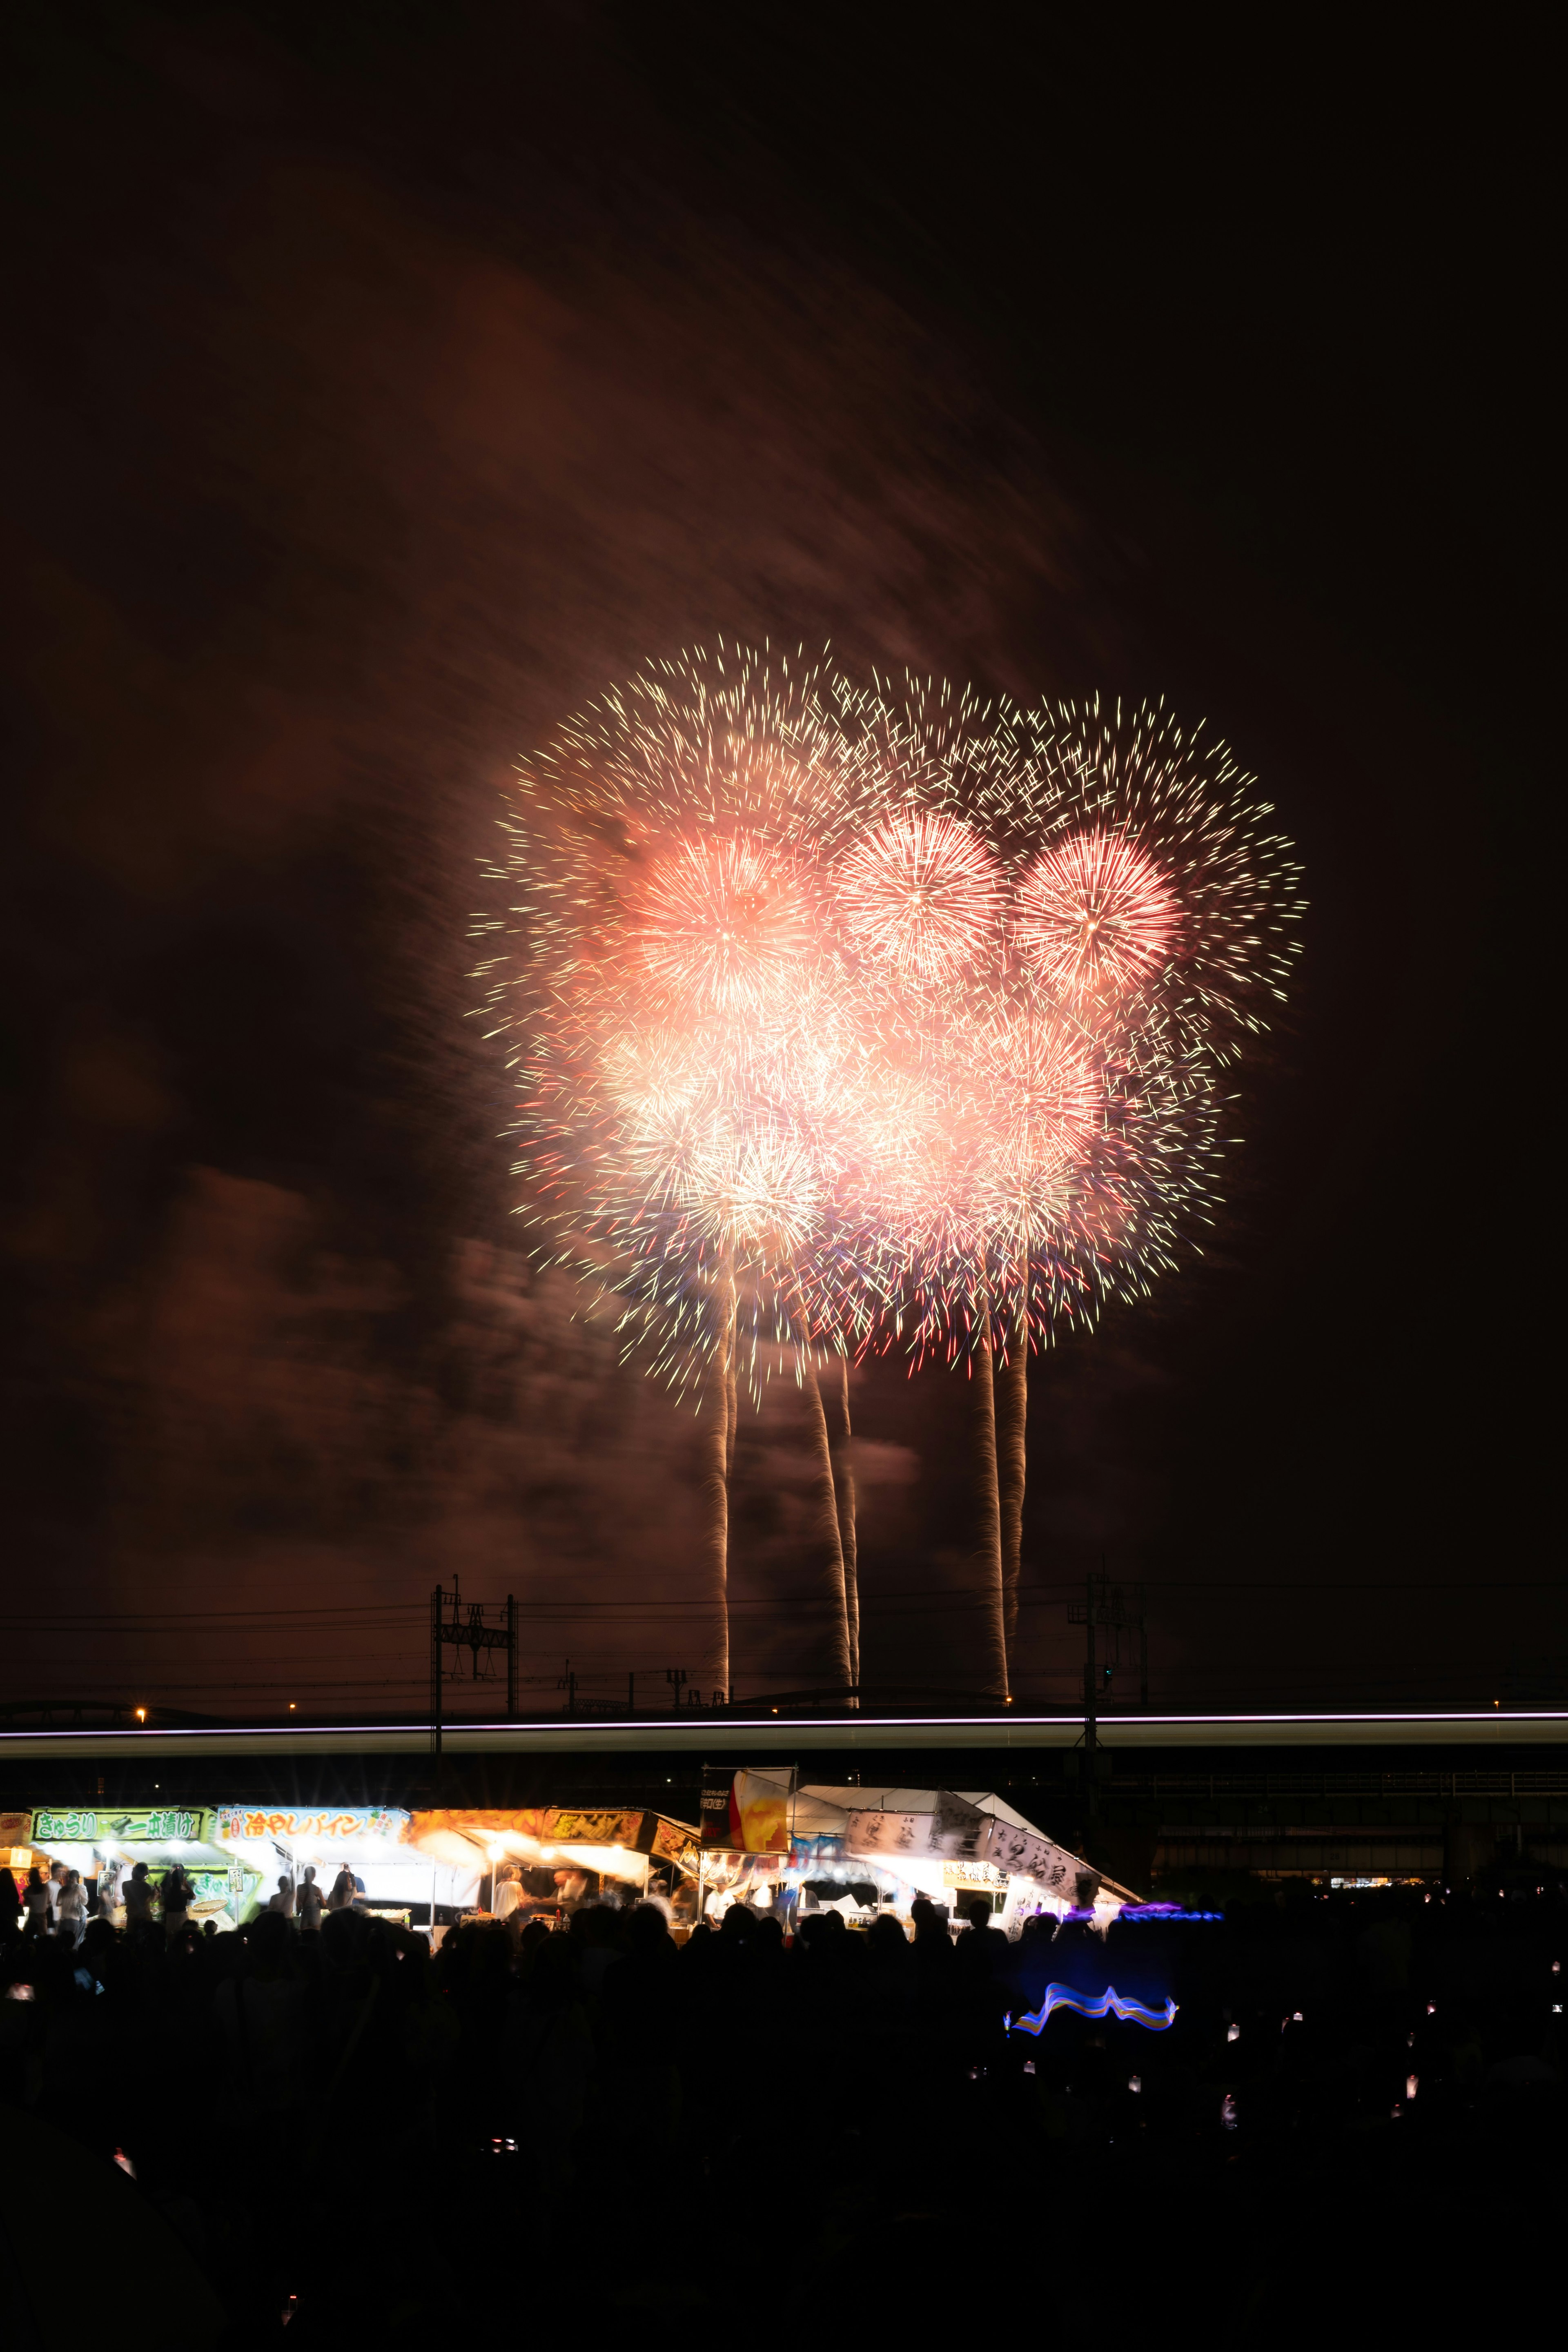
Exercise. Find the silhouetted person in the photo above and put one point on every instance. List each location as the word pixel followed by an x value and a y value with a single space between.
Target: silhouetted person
pixel 36 1903
pixel 70 1911
pixel 308 1901
pixel 10 1904
pixel 138 1897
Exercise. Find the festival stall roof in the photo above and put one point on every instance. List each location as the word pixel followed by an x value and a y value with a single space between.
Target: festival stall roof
pixel 624 1843
pixel 971 1822
pixel 74 1833
pixel 372 1840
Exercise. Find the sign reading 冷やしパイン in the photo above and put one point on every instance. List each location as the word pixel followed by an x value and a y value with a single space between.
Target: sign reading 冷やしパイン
pixel 333 1822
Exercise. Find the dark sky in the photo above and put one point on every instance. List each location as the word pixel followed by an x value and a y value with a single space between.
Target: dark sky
pixel 381 381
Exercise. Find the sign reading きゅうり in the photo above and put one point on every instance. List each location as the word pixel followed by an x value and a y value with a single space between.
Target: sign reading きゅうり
pixel 141 1825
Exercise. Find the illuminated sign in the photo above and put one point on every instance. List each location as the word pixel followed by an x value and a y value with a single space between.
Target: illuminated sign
pixel 143 1825
pixel 331 1825
pixel 1088 2004
pixel 555 1825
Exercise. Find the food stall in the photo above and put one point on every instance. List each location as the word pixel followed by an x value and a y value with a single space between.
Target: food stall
pixel 861 1852
pixel 17 1853
pixel 563 1856
pixel 394 1879
pixel 92 1839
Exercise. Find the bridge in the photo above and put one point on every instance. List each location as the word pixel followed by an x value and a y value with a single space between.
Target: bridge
pixel 1442 1793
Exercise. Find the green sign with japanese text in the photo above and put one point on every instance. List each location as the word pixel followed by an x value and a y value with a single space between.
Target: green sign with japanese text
pixel 114 1825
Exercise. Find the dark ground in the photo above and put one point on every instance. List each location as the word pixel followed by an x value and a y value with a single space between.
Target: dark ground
pixel 784 2142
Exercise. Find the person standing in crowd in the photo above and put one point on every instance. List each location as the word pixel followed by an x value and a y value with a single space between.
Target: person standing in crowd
pixel 36 1905
pixel 283 1901
pixel 10 1904
pixel 71 1914
pixel 72 1907
pixel 108 1892
pixel 174 1894
pixel 57 1879
pixel 342 1894
pixel 138 1897
pixel 508 1892
pixel 308 1901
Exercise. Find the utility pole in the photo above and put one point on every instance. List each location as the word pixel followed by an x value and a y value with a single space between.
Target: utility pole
pixel 1090 1693
pixel 485 1627
pixel 436 1674
pixel 676 1677
pixel 1106 1605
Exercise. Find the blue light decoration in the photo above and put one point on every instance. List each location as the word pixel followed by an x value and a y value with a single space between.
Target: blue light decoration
pixel 1132 1913
pixel 1095 2004
pixel 1135 1911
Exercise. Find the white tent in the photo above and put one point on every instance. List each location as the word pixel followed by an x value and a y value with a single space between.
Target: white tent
pixel 951 1844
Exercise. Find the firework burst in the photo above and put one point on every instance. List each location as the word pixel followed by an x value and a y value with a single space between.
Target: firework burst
pixel 922 894
pixel 1149 866
pixel 1095 917
pixel 848 1019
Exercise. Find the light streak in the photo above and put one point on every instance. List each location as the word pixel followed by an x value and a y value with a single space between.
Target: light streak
pixel 1110 2003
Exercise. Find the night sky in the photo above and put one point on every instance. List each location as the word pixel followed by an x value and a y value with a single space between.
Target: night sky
pixel 380 382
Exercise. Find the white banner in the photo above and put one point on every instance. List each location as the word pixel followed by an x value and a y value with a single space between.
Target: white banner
pixel 957 1831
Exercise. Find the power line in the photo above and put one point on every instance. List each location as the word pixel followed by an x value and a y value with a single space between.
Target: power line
pixel 353 1618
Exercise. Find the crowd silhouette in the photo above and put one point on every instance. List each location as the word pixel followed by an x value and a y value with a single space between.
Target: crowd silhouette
pixel 345 2129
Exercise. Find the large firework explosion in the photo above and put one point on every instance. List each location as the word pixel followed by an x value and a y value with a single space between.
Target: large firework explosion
pixel 847 1019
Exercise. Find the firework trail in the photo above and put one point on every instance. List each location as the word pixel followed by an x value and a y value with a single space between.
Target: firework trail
pixel 1012 1409
pixel 716 1457
pixel 854 1019
pixel 986 1557
pixel 836 1379
pixel 829 1534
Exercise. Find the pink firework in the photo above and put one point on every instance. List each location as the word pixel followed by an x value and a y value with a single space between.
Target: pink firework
pixel 922 894
pixel 720 926
pixel 1096 916
pixel 1046 1094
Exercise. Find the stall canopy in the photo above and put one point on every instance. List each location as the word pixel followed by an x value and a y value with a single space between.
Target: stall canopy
pixel 975 1837
pixel 86 1837
pixel 372 1841
pixel 614 1842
